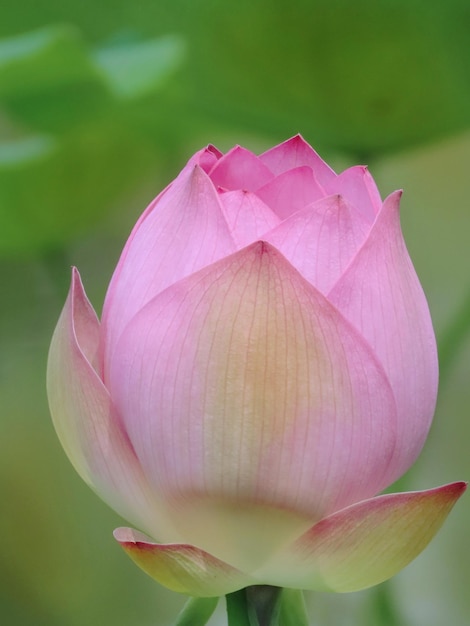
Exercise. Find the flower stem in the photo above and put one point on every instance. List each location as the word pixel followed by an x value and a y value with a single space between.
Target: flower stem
pixel 293 611
pixel 258 605
pixel 197 612
pixel 263 605
pixel 237 609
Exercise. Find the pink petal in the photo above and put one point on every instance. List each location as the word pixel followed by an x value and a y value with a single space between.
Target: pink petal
pixel 381 295
pixel 247 216
pixel 242 384
pixel 364 544
pixel 180 567
pixel 86 421
pixel 240 169
pixel 291 191
pixel 183 232
pixel 206 158
pixel 320 240
pixel 296 152
pixel 359 188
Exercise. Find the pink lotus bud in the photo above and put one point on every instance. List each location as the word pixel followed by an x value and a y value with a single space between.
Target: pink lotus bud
pixel 265 366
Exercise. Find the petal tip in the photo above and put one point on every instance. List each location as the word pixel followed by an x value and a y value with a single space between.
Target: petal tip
pixel 182 568
pixel 455 490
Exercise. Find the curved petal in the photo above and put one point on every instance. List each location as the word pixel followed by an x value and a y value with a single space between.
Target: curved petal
pixel 291 191
pixel 381 295
pixel 320 240
pixel 184 231
pixel 359 188
pixel 240 169
pixel 86 421
pixel 364 544
pixel 296 152
pixel 206 158
pixel 181 567
pixel 242 383
pixel 247 216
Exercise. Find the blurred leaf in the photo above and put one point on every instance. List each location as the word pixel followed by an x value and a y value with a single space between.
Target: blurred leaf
pixel 137 69
pixel 40 59
pixel 48 80
pixel 107 112
pixel 51 191
pixel 22 151
pixel 365 76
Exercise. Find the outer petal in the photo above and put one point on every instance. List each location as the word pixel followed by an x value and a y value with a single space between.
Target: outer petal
pixel 242 384
pixel 86 421
pixel 248 217
pixel 291 191
pixel 359 188
pixel 296 152
pixel 240 169
pixel 182 567
pixel 364 544
pixel 321 239
pixel 184 231
pixel 381 295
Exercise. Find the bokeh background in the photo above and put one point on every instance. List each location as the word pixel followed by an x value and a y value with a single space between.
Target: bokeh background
pixel 101 104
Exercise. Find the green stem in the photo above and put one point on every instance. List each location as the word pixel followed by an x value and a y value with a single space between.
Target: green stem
pixel 258 605
pixel 293 611
pixel 197 612
pixel 263 605
pixel 237 609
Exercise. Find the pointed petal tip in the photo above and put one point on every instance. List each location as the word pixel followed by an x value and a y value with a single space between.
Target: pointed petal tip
pixel 75 279
pixel 368 542
pixel 214 150
pixel 297 137
pixel 296 140
pixel 196 171
pixel 261 247
pixel 181 567
pixel 394 197
pixel 456 489
pixel 78 299
pixel 128 535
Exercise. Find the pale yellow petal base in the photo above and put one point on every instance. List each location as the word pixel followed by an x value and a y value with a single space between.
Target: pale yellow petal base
pixel 355 548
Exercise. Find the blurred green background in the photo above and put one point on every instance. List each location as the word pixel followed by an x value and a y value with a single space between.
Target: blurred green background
pixel 101 104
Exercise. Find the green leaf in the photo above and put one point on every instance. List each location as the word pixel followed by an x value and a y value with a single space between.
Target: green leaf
pixel 42 59
pixel 364 76
pixel 48 80
pixel 51 79
pixel 137 69
pixel 52 191
pixel 103 118
pixel 25 151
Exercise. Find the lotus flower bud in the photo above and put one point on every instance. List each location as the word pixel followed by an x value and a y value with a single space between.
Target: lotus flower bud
pixel 264 367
